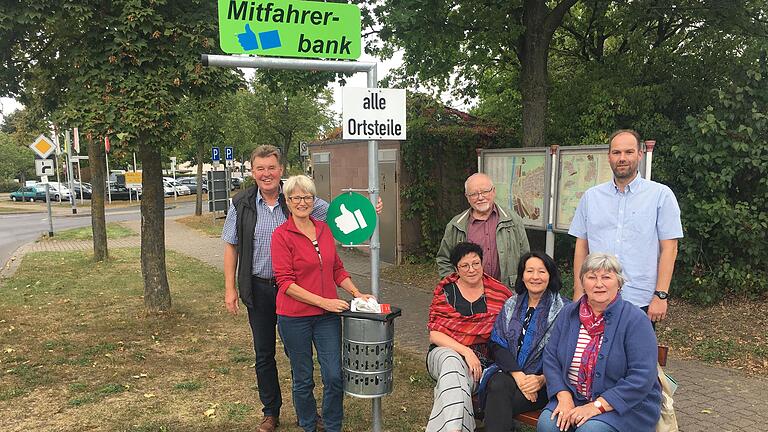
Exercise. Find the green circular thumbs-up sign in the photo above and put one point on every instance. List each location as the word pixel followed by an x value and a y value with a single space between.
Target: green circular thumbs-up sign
pixel 352 218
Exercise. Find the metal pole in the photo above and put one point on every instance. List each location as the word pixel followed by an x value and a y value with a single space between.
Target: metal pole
pixel 109 191
pixel 173 173
pixel 285 63
pixel 80 179
pixel 56 159
pixel 649 144
pixel 373 186
pixel 50 213
pixel 70 175
pixel 549 247
pixel 134 161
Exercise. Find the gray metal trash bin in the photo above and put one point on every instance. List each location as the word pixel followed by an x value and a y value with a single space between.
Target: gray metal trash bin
pixel 367 348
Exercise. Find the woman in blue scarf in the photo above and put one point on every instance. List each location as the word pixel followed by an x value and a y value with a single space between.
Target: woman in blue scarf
pixel 515 383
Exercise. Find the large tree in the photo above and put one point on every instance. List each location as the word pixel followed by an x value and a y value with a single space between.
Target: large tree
pixel 457 42
pixel 122 67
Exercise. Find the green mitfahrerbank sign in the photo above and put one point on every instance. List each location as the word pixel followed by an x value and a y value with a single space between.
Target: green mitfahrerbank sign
pixel 286 28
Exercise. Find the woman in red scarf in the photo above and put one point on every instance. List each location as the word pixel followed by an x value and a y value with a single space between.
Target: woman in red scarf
pixel 461 316
pixel 600 363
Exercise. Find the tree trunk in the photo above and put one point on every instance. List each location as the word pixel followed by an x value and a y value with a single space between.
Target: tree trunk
pixel 199 198
pixel 157 293
pixel 98 182
pixel 534 74
pixel 540 23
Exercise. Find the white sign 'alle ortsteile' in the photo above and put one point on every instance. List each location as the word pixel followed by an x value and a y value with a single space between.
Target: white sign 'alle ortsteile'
pixel 373 113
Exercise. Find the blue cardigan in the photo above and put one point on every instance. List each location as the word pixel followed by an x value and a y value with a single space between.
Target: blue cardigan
pixel 625 374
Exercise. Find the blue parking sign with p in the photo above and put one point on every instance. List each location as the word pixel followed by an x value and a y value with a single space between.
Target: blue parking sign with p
pixel 229 153
pixel 215 154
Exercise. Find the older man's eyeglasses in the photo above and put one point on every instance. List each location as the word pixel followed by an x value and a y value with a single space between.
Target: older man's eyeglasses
pixel 478 194
pixel 474 266
pixel 298 198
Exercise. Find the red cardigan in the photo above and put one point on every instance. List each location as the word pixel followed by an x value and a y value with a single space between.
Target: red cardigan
pixel 295 260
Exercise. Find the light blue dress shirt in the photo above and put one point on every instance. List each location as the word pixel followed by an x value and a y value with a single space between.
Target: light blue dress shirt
pixel 629 225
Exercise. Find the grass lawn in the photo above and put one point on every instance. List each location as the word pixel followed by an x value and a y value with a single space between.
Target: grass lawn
pixel 114 230
pixel 205 224
pixel 78 352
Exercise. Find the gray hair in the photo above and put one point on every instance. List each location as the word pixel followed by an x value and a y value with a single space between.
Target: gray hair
pixel 299 182
pixel 475 175
pixel 605 262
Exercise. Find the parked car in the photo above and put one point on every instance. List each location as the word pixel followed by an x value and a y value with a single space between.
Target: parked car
pixel 236 182
pixel 82 189
pixel 123 193
pixel 57 191
pixel 172 184
pixel 28 193
pixel 191 183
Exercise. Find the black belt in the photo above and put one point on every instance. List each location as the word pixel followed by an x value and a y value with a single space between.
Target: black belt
pixel 270 281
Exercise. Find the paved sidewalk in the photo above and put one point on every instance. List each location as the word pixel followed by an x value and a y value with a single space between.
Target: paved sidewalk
pixel 709 398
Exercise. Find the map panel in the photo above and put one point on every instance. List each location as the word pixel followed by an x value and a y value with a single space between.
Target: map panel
pixel 521 184
pixel 579 171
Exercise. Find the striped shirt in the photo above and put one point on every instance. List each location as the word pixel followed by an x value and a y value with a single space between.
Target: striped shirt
pixel 573 370
pixel 268 219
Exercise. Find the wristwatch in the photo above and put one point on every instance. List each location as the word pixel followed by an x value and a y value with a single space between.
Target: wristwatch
pixel 661 294
pixel 599 406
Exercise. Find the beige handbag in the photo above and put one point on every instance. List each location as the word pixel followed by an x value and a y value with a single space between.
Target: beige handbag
pixel 668 420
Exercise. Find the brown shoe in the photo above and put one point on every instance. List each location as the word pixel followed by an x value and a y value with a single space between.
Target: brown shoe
pixel 269 424
pixel 319 426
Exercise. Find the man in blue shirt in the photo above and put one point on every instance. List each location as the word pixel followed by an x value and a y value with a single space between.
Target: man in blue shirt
pixel 635 219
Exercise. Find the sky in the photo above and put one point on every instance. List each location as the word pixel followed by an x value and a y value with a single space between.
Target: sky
pixel 7 106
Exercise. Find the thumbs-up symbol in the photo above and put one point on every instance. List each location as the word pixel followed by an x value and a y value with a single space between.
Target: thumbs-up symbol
pixel 248 39
pixel 348 221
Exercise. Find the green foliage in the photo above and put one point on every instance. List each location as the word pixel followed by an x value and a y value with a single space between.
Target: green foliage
pixel 437 158
pixel 280 115
pixel 9 185
pixel 721 175
pixel 17 161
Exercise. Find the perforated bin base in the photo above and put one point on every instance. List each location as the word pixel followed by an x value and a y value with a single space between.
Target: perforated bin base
pixel 367 385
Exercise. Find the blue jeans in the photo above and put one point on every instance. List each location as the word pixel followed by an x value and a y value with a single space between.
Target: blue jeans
pixel 547 425
pixel 324 332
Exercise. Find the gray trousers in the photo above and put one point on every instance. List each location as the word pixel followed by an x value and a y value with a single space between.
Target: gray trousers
pixel 452 407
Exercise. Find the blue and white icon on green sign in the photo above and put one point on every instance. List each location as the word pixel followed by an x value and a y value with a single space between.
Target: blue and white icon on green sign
pixel 352 218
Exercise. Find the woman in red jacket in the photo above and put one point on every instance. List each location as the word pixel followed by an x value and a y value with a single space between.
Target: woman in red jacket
pixel 308 270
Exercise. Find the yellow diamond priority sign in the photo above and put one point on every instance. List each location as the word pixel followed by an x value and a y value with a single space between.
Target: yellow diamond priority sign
pixel 42 146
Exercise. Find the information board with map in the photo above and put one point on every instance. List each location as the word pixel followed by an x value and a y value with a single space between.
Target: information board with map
pixel 522 181
pixel 579 169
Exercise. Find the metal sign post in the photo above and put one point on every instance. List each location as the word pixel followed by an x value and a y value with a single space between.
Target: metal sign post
pixel 48 203
pixel 373 146
pixel 70 173
pixel 173 172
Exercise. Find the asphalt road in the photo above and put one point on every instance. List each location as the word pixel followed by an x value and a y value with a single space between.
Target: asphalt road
pixel 19 229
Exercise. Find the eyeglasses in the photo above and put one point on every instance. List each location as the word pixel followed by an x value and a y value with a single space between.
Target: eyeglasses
pixel 466 266
pixel 297 198
pixel 482 193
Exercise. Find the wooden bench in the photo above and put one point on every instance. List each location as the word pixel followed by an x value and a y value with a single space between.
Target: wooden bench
pixel 532 417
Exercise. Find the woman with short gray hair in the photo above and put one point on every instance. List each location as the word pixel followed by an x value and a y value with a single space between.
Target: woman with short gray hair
pixel 308 270
pixel 600 363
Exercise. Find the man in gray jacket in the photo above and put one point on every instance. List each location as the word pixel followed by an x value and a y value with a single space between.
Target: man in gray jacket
pixel 498 230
